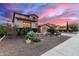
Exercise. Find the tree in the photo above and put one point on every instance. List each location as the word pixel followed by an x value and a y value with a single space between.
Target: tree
pixel 51 29
pixel 67 26
pixel 7 29
pixel 74 27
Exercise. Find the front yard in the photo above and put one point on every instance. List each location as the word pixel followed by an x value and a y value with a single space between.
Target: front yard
pixel 17 47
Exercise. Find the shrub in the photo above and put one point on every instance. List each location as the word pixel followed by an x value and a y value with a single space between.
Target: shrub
pixel 71 31
pixel 7 29
pixel 36 40
pixel 51 30
pixel 32 36
pixel 60 30
pixel 65 30
pixel 1 34
pixel 22 31
pixel 35 30
pixel 74 27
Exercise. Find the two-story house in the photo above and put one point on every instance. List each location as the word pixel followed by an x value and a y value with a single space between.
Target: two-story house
pixel 25 21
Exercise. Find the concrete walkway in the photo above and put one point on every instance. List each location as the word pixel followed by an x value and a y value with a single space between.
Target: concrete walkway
pixel 67 48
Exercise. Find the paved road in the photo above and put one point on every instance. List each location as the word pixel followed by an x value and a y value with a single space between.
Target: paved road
pixel 68 48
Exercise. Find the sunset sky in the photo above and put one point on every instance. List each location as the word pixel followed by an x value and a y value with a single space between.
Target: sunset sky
pixel 53 13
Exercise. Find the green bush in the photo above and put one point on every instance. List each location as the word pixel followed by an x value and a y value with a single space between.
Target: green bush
pixel 65 30
pixel 22 31
pixel 35 30
pixel 36 40
pixel 60 30
pixel 74 27
pixel 7 29
pixel 1 34
pixel 71 31
pixel 51 30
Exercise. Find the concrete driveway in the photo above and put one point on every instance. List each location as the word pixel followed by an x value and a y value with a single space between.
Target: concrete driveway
pixel 67 48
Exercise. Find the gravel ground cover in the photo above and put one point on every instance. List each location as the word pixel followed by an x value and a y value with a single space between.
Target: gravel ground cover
pixel 16 46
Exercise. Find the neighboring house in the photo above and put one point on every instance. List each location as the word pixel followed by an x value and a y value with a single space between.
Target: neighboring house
pixel 25 21
pixel 43 28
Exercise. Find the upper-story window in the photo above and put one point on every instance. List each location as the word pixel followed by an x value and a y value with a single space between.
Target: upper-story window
pixel 34 17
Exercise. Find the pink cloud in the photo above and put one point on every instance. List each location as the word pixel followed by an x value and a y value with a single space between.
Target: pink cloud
pixel 49 10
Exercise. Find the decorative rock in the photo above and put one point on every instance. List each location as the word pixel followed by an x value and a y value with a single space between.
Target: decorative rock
pixel 28 41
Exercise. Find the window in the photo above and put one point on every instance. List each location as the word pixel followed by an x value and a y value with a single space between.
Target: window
pixel 26 24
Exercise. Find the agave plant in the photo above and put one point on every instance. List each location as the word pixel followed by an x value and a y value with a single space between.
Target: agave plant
pixel 32 36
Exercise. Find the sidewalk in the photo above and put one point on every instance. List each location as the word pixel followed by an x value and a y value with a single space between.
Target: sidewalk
pixel 67 48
